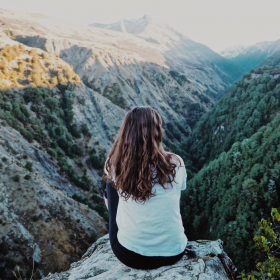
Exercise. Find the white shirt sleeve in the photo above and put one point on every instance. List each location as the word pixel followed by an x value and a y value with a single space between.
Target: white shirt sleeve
pixel 183 173
pixel 106 172
pixel 184 184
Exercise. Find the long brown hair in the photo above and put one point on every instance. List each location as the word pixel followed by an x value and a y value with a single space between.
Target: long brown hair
pixel 137 147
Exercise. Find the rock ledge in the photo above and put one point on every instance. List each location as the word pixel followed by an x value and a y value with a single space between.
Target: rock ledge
pixel 203 260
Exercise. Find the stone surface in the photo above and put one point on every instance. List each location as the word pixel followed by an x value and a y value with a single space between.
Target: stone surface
pixel 203 260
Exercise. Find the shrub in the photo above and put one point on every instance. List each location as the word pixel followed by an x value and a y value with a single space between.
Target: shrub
pixel 21 67
pixel 52 153
pixel 25 110
pixel 34 60
pixel 16 178
pixel 33 52
pixel 77 150
pixel 16 49
pixel 27 177
pixel 96 161
pixel 4 159
pixel 85 129
pixel 174 74
pixel 54 81
pixel 8 106
pixel 21 47
pixel 51 103
pixel 77 79
pixel 74 130
pixel 61 79
pixel 26 134
pixel 269 243
pixel 34 95
pixel 81 100
pixel 246 76
pixel 36 79
pixel 93 237
pixel 68 73
pixel 35 218
pixel 95 198
pixel 28 166
pixel 62 143
pixel 101 210
pixel 44 55
pixel 3 65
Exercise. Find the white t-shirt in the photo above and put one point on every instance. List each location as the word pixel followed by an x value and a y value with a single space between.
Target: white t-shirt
pixel 154 228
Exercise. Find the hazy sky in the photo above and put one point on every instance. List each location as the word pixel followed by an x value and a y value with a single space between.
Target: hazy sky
pixel 215 23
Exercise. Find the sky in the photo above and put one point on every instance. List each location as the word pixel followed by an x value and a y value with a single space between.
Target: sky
pixel 216 23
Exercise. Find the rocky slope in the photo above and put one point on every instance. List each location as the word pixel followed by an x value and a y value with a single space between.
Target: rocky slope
pixel 50 194
pixel 36 208
pixel 159 67
pixel 202 260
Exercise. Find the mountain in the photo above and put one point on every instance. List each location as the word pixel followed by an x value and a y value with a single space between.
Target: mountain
pixel 134 26
pixel 182 48
pixel 250 56
pixel 232 52
pixel 146 28
pixel 272 61
pixel 160 67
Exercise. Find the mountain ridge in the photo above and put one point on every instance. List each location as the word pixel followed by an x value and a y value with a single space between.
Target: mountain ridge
pixel 249 57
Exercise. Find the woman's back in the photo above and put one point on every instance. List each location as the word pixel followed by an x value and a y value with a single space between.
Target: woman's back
pixel 155 227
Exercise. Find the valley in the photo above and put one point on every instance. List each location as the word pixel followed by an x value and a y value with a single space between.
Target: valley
pixel 64 90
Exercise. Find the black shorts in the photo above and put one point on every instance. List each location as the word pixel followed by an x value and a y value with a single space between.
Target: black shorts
pixel 127 257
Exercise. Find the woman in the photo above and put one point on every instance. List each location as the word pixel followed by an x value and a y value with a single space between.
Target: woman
pixel 143 189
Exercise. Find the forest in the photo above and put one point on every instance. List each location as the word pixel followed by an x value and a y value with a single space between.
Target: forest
pixel 233 159
pixel 250 103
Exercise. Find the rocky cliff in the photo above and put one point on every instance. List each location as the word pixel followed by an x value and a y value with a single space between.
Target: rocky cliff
pixel 202 260
pixel 41 203
pixel 36 208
